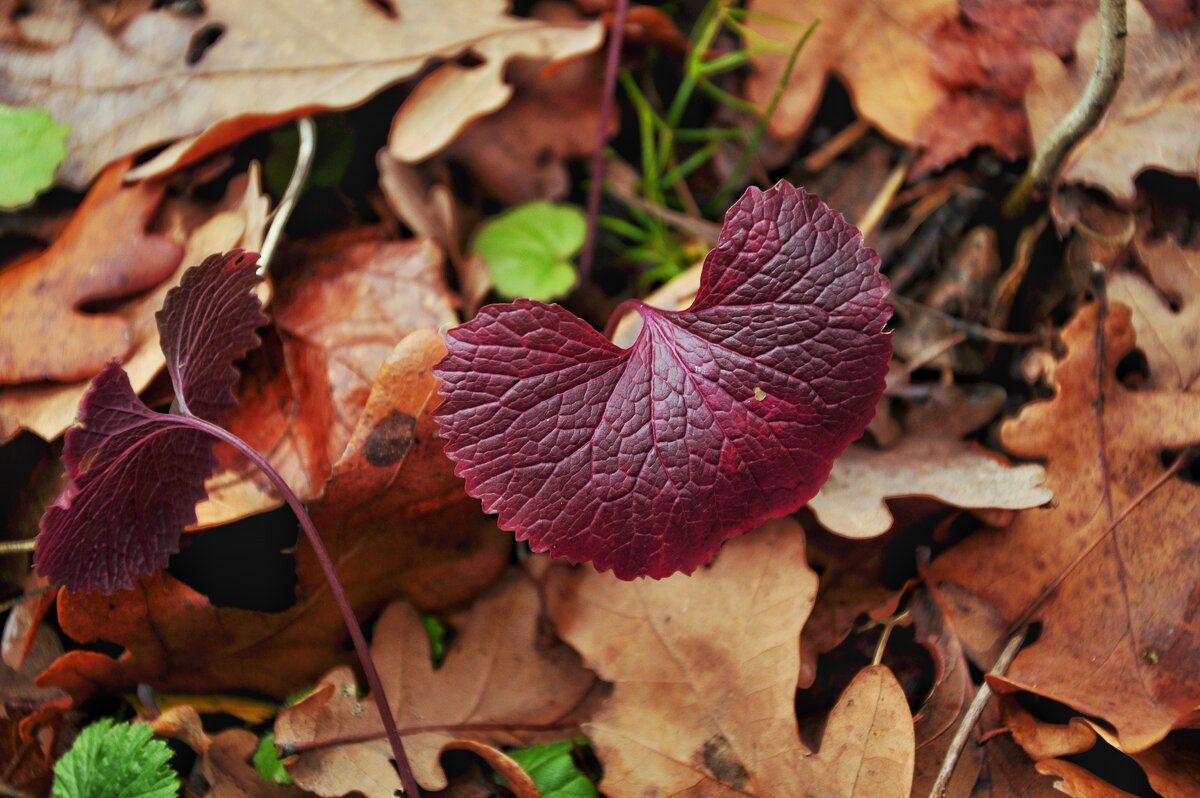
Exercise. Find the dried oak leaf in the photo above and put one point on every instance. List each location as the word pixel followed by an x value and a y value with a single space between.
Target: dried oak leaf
pixel 879 49
pixel 932 460
pixel 1150 124
pixel 237 68
pixel 136 475
pixel 47 409
pixel 104 253
pixel 715 656
pixel 644 460
pixel 1166 311
pixel 495 672
pixel 396 522
pixel 1118 541
pixel 340 308
pixel 519 152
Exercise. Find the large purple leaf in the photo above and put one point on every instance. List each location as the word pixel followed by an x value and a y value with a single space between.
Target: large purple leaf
pixel 206 325
pixel 136 475
pixel 644 460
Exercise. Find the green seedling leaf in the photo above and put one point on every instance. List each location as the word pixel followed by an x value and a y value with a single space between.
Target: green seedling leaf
pixel 553 769
pixel 529 250
pixel 32 145
pixel 116 760
pixel 266 761
pixel 436 631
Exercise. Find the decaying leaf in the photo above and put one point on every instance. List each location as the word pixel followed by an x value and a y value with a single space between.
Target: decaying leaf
pixel 237 68
pixel 341 307
pixel 716 654
pixel 1108 568
pixel 404 527
pixel 47 409
pixel 931 459
pixel 495 673
pixel 644 460
pixel 104 253
pixel 879 49
pixel 1150 124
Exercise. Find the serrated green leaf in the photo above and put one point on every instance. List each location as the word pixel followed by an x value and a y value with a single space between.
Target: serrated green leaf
pixel 266 761
pixel 122 760
pixel 32 145
pixel 553 769
pixel 529 249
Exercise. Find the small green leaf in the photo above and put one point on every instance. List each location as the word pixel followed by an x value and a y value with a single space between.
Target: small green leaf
pixel 122 760
pixel 436 630
pixel 553 770
pixel 266 761
pixel 529 249
pixel 32 145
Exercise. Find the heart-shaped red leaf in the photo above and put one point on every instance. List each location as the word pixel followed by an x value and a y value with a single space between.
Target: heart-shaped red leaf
pixel 136 475
pixel 643 460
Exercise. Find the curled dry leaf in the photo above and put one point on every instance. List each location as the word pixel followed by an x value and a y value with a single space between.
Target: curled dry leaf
pixel 1107 569
pixel 1150 124
pixel 239 220
pixel 932 460
pixel 716 653
pixel 495 672
pixel 237 68
pixel 104 253
pixel 395 521
pixel 340 308
pixel 879 49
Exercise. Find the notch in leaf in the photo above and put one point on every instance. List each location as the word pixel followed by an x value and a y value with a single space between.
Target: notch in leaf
pixel 719 417
pixel 136 475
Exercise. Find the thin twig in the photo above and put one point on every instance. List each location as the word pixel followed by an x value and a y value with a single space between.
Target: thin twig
pixel 18 546
pixel 1083 117
pixel 304 159
pixel 611 64
pixel 878 208
pixel 10 792
pixel 975 332
pixel 335 587
pixel 838 143
pixel 294 749
pixel 974 711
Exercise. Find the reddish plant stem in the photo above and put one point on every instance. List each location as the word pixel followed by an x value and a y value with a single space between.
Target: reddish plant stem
pixel 611 64
pixel 365 737
pixel 407 779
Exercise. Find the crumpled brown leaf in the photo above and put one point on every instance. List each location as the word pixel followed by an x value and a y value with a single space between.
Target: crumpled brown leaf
pixel 396 522
pixel 496 672
pixel 104 253
pixel 1113 556
pixel 239 67
pixel 879 49
pixel 930 459
pixel 1151 122
pixel 716 653
pixel 342 304
pixel 47 409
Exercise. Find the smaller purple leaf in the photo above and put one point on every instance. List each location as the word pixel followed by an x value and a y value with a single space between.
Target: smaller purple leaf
pixel 643 460
pixel 206 325
pixel 136 476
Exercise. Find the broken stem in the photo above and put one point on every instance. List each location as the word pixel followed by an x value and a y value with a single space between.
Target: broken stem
pixel 1083 117
pixel 974 711
pixel 611 64
pixel 335 586
pixel 304 159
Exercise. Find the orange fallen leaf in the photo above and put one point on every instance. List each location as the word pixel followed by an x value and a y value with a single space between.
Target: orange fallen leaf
pixel 1107 569
pixel 236 68
pixel 104 253
pixel 496 676
pixel 716 655
pixel 1150 124
pixel 47 409
pixel 879 49
pixel 396 522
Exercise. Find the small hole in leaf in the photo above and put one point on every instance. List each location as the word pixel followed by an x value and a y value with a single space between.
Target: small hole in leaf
pixel 1134 370
pixel 1189 469
pixel 191 8
pixel 387 7
pixel 201 41
pixel 469 60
